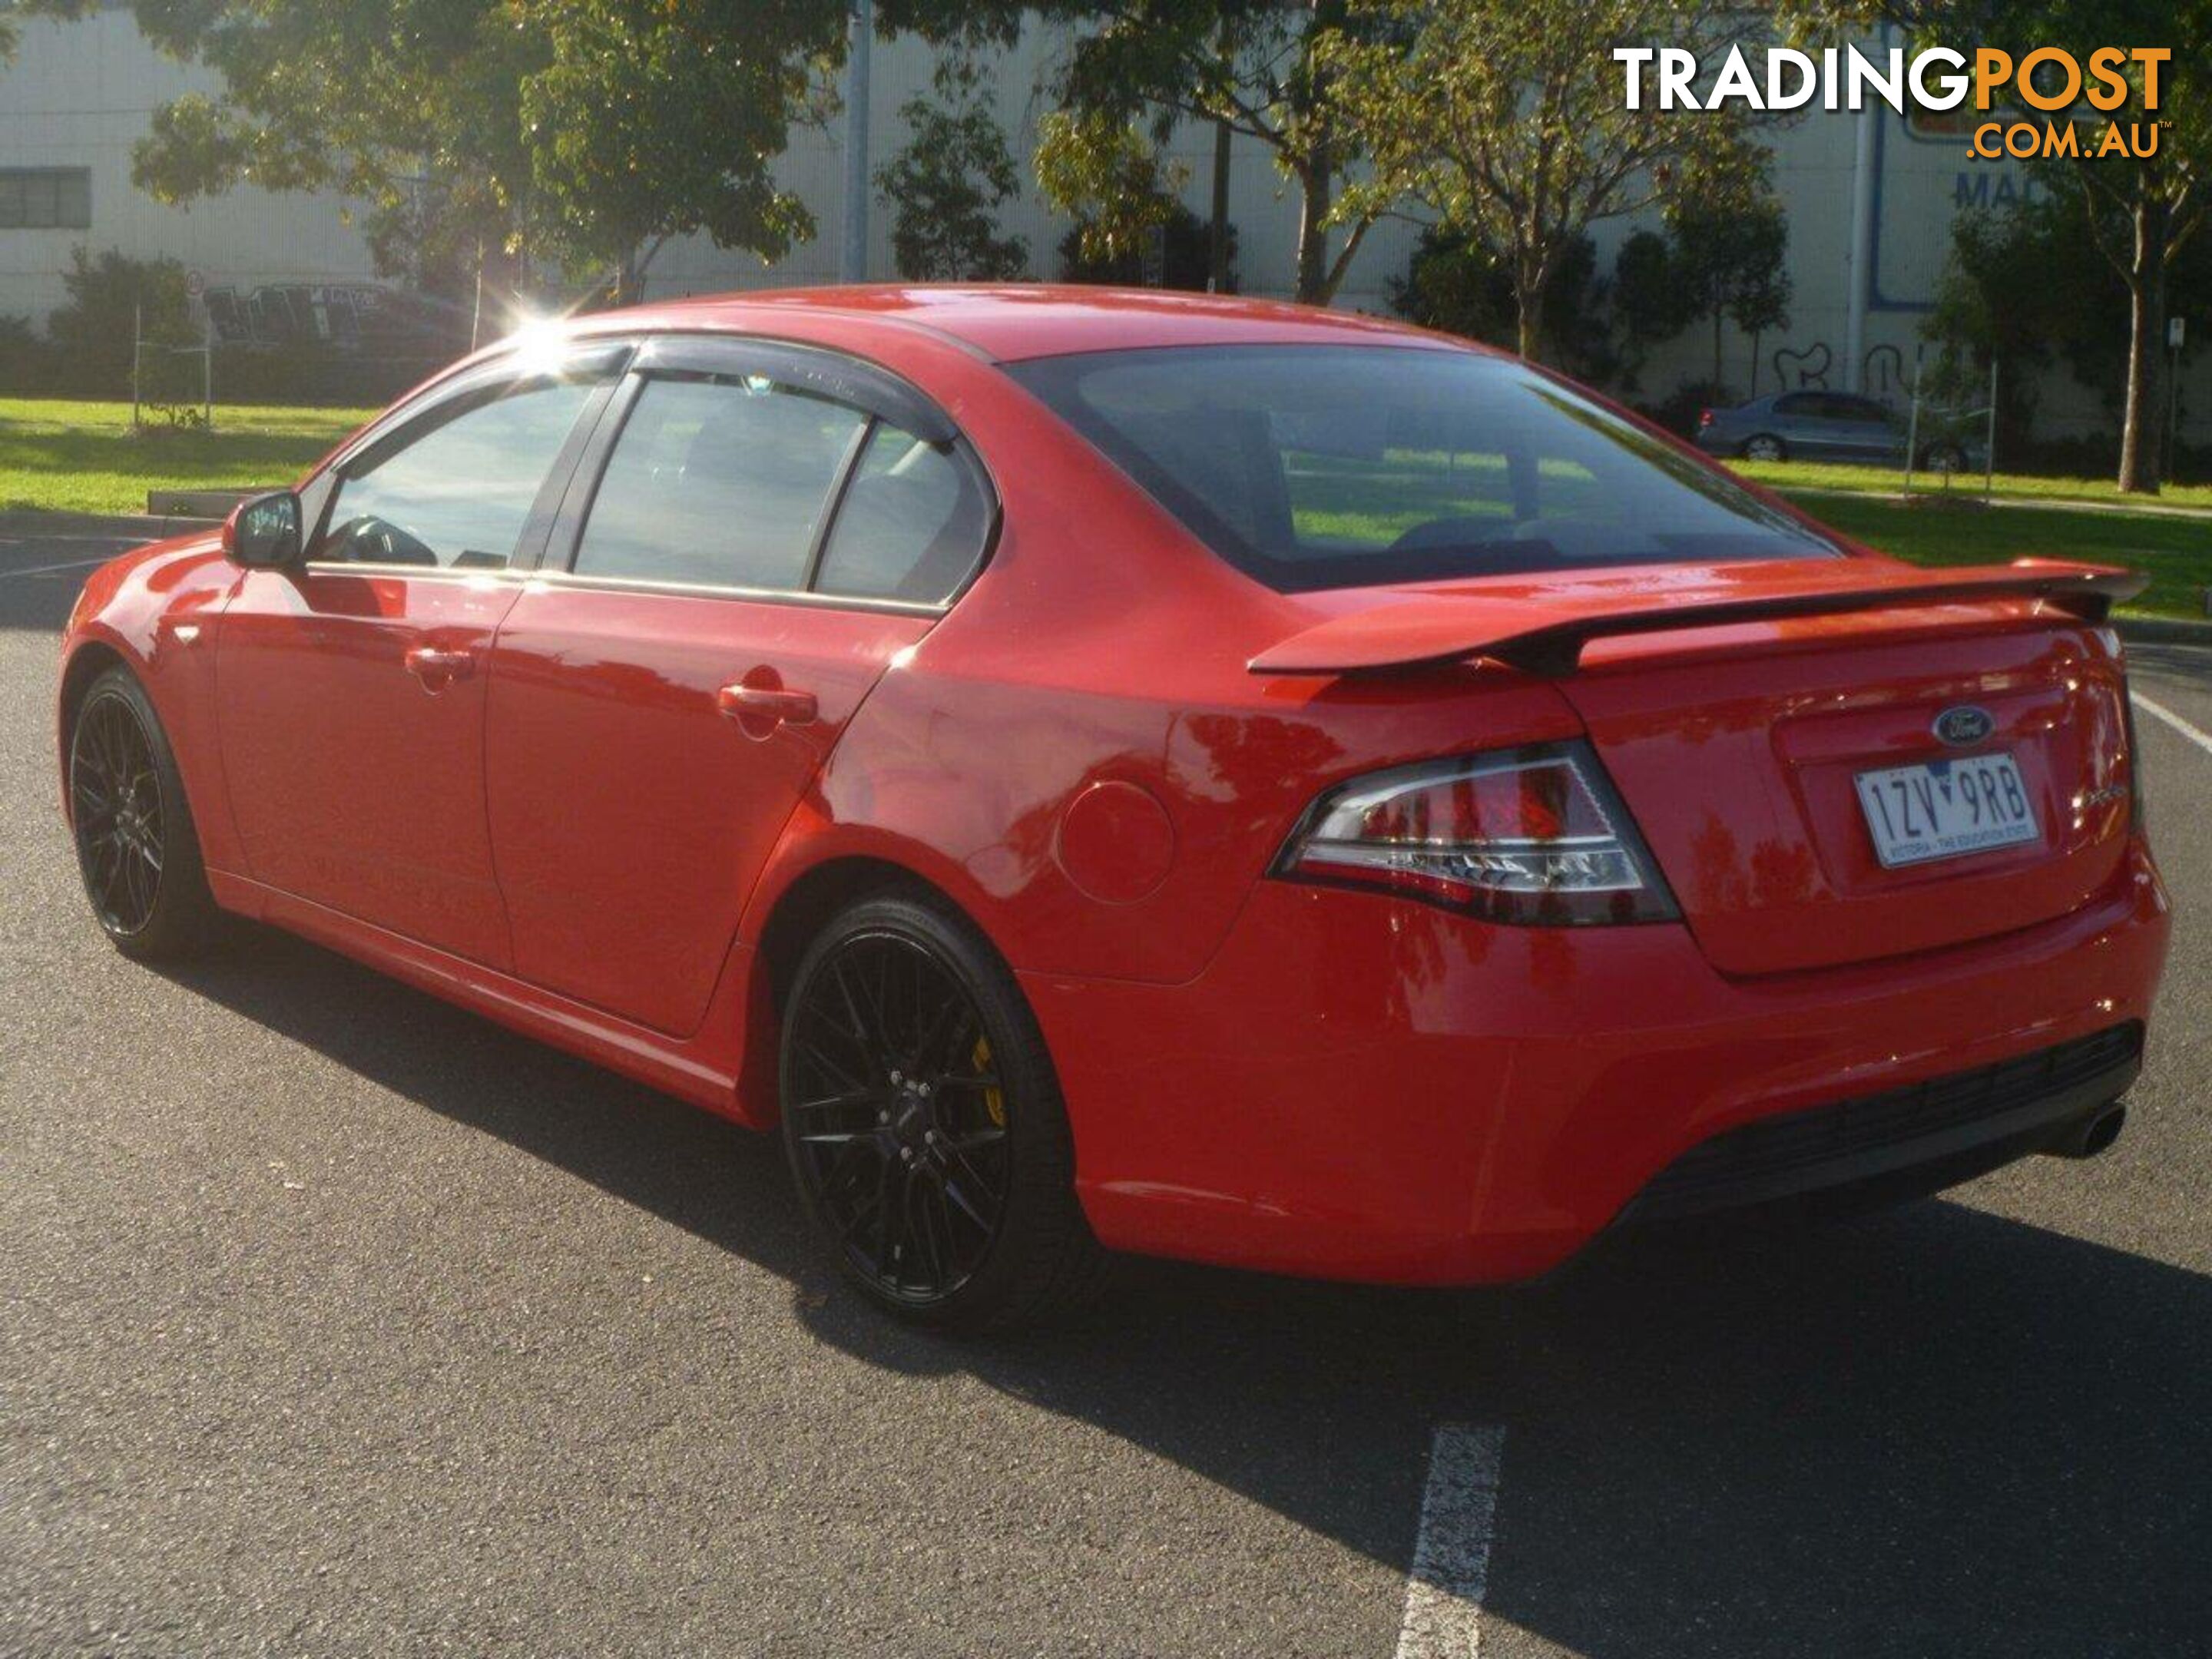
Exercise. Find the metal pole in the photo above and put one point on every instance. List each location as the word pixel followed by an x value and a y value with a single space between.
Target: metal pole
pixel 1989 448
pixel 1862 263
pixel 1912 427
pixel 852 262
pixel 2172 417
pixel 137 339
pixel 1217 277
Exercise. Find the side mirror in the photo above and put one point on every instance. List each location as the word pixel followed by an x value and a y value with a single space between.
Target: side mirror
pixel 263 531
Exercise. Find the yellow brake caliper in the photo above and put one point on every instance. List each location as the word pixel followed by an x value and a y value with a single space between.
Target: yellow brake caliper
pixel 994 1099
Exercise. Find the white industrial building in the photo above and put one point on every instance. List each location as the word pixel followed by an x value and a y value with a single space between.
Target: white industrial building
pixel 79 94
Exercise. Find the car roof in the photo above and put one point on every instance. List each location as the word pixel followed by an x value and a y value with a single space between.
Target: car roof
pixel 1008 322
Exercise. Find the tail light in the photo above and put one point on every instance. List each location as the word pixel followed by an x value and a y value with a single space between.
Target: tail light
pixel 1534 836
pixel 2138 820
pixel 1704 419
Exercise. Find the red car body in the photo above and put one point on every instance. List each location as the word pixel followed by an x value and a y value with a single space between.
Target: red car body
pixel 1098 751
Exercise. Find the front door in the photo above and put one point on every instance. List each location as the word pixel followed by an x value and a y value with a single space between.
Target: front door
pixel 350 689
pixel 659 708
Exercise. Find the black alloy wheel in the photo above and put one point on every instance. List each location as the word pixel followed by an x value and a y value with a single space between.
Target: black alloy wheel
pixel 922 1121
pixel 136 846
pixel 115 797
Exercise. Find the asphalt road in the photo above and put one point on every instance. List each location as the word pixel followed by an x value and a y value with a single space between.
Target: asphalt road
pixel 336 1321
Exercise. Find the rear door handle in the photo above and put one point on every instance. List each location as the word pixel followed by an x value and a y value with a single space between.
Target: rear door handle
pixel 438 667
pixel 760 709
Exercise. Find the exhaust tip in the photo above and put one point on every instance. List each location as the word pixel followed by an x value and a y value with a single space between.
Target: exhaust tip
pixel 2087 1136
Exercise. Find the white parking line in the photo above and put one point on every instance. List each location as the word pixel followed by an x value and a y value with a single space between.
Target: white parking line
pixel 2174 720
pixel 1451 1554
pixel 49 569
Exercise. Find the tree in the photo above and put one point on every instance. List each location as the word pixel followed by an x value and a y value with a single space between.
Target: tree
pixel 584 130
pixel 1106 175
pixel 653 120
pixel 2025 286
pixel 1508 123
pixel 1137 68
pixel 946 185
pixel 1728 259
pixel 2142 215
pixel 1650 303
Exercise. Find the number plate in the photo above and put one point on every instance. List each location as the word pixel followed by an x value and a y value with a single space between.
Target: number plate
pixel 1945 809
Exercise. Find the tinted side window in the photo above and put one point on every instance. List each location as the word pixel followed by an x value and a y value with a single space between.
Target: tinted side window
pixel 1797 402
pixel 458 496
pixel 717 482
pixel 1862 410
pixel 911 525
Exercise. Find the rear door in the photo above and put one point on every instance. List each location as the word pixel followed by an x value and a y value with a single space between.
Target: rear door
pixel 1801 422
pixel 1740 764
pixel 350 688
pixel 757 531
pixel 1864 430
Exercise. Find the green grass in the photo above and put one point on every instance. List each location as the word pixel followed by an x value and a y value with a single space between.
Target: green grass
pixel 2176 553
pixel 1887 481
pixel 74 456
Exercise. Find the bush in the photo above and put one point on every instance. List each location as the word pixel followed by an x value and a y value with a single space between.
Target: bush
pixel 114 300
pixel 27 363
pixel 1455 284
pixel 1679 410
pixel 1185 250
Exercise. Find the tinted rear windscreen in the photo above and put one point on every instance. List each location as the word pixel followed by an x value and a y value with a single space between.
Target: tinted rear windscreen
pixel 1342 466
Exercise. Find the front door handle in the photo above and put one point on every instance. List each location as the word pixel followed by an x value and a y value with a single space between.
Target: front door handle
pixel 759 710
pixel 438 667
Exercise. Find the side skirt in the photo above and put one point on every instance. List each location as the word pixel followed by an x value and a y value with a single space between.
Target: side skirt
pixel 701 1069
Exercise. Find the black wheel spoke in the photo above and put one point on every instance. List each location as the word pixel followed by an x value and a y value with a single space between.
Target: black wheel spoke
pixel 967 1205
pixel 973 1080
pixel 839 1070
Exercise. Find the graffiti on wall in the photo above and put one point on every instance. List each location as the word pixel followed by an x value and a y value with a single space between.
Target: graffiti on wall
pixel 1882 371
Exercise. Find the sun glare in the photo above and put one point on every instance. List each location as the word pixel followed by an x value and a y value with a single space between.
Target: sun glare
pixel 541 344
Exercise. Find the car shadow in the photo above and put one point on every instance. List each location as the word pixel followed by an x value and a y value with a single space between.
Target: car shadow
pixel 1936 1431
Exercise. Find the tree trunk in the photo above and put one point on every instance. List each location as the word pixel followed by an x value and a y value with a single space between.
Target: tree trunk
pixel 1532 277
pixel 2146 278
pixel 1716 349
pixel 1316 183
pixel 1529 286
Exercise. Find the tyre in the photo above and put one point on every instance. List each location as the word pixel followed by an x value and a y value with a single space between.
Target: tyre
pixel 924 1125
pixel 136 846
pixel 1943 458
pixel 1766 446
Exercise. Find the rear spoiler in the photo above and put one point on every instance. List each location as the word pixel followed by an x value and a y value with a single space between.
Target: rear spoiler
pixel 1541 626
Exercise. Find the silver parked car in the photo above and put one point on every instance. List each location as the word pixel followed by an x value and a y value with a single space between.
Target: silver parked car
pixel 1828 426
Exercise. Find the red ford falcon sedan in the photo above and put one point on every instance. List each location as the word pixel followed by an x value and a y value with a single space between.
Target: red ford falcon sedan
pixel 1139 772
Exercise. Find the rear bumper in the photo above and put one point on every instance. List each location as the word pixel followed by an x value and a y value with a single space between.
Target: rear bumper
pixel 1365 1088
pixel 1964 1123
